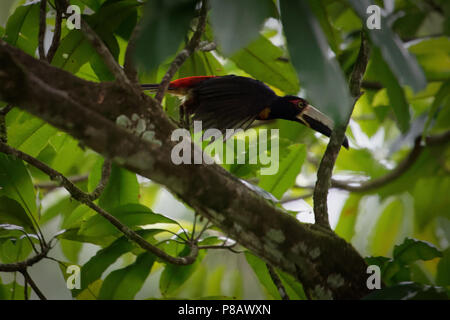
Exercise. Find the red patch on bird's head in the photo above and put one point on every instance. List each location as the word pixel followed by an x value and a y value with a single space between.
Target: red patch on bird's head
pixel 299 102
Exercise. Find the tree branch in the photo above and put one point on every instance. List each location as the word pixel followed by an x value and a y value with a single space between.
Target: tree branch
pixel 87 199
pixel 29 280
pixel 399 170
pixel 337 137
pixel 57 32
pixel 22 265
pixel 311 253
pixel 277 281
pixel 185 53
pixel 42 27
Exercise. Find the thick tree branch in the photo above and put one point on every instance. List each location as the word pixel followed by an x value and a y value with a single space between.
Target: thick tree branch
pixel 337 137
pixel 185 53
pixel 88 111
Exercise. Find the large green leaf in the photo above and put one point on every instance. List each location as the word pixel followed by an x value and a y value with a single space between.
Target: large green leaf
pixel 260 269
pixel 122 188
pixel 387 228
pixel 294 289
pixel 22 27
pixel 28 133
pixel 11 212
pixel 13 291
pixel 164 23
pixel 433 56
pixel 288 170
pixel 174 276
pixel 264 61
pixel 94 268
pixel 318 73
pixel 400 61
pixel 412 250
pixel 15 183
pixel 236 23
pixel 443 270
pixel 345 227
pixel 74 50
pixel 123 284
pixel 397 98
pixel 132 215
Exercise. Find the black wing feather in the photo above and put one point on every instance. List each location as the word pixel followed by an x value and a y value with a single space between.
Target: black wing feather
pixel 230 102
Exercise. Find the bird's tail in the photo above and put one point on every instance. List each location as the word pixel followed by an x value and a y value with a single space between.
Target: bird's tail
pixel 152 87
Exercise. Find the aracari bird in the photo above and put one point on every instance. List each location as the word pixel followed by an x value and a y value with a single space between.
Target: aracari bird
pixel 232 102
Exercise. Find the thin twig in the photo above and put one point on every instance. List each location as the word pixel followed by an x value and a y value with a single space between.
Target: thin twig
pixel 205 227
pixel 399 170
pixel 18 266
pixel 105 54
pixel 337 137
pixel 42 27
pixel 56 33
pixel 50 185
pixel 84 198
pixel 295 198
pixel 106 172
pixel 277 281
pixel 185 53
pixel 32 284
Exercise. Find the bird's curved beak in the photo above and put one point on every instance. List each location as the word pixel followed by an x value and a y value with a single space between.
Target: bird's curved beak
pixel 316 120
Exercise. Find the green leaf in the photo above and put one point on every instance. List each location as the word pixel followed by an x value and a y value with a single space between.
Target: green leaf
pixel 236 23
pixel 28 133
pixel 400 61
pixel 412 250
pixel 264 61
pixel 438 102
pixel 397 98
pixel 318 73
pixel 21 29
pixel 443 270
pixel 289 168
pixel 260 269
pixel 122 188
pixel 432 55
pixel 165 23
pixel 11 212
pixel 345 227
pixel 174 276
pixel 13 291
pixel 63 206
pixel 124 284
pixel 387 228
pixel 294 289
pixel 409 291
pixel 94 268
pixel 14 250
pixel 15 183
pixel 74 50
pixel 132 215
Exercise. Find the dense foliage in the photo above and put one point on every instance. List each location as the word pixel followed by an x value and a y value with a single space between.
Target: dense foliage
pixel 308 47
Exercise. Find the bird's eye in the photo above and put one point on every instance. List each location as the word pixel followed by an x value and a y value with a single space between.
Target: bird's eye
pixel 302 103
